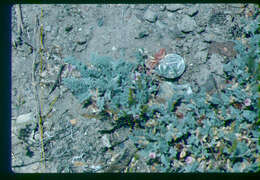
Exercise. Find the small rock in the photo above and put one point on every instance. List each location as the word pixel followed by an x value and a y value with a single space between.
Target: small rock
pixel 215 63
pixel 95 167
pixel 200 29
pixel 201 46
pixel 68 28
pixel 201 75
pixel 201 56
pixel 209 85
pixel 24 118
pixel 78 163
pixel 161 25
pixel 223 48
pixel 174 32
pixel 174 7
pixel 150 16
pixel 238 5
pixel 83 37
pixel 105 141
pixel 217 19
pixel 157 7
pixel 191 11
pixel 162 7
pixel 168 89
pixel 48 28
pixel 183 154
pixel 73 122
pixel 82 41
pixel 209 37
pixel 141 6
pixel 142 34
pixel 43 74
pixel 114 48
pixel 100 21
pixel 187 24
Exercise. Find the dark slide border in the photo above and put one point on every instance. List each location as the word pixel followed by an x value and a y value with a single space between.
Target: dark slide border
pixel 5 109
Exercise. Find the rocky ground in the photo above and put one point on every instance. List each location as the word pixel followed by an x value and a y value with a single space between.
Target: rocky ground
pixel 201 33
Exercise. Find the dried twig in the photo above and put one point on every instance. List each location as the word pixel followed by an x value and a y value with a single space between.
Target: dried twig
pixel 58 79
pixel 34 83
pixel 20 27
pixel 39 116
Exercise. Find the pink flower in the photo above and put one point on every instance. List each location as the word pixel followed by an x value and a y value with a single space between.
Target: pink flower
pixel 247 102
pixel 189 160
pixel 152 155
pixel 71 67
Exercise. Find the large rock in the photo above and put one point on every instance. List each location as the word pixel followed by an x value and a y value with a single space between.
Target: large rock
pixel 168 89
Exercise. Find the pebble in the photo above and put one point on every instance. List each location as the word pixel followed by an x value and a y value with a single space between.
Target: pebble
pixel 192 11
pixel 81 41
pixel 162 7
pixel 215 63
pixel 201 56
pixel 142 34
pixel 183 154
pixel 105 141
pixel 209 85
pixel 161 25
pixel 24 118
pixel 73 122
pixel 187 24
pixel 68 28
pixel 48 28
pixel 238 5
pixel 141 6
pixel 201 46
pixel 202 74
pixel 95 167
pixel 150 16
pixel 225 48
pixel 175 32
pixel 174 7
pixel 200 30
pixel 209 37
pixel 114 48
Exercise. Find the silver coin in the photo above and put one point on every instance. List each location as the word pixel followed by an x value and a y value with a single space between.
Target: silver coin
pixel 171 66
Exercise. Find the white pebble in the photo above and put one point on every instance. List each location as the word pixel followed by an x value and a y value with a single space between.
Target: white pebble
pixel 24 118
pixel 114 48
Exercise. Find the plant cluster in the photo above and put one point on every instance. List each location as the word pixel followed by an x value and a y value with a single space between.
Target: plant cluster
pixel 118 88
pixel 217 132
